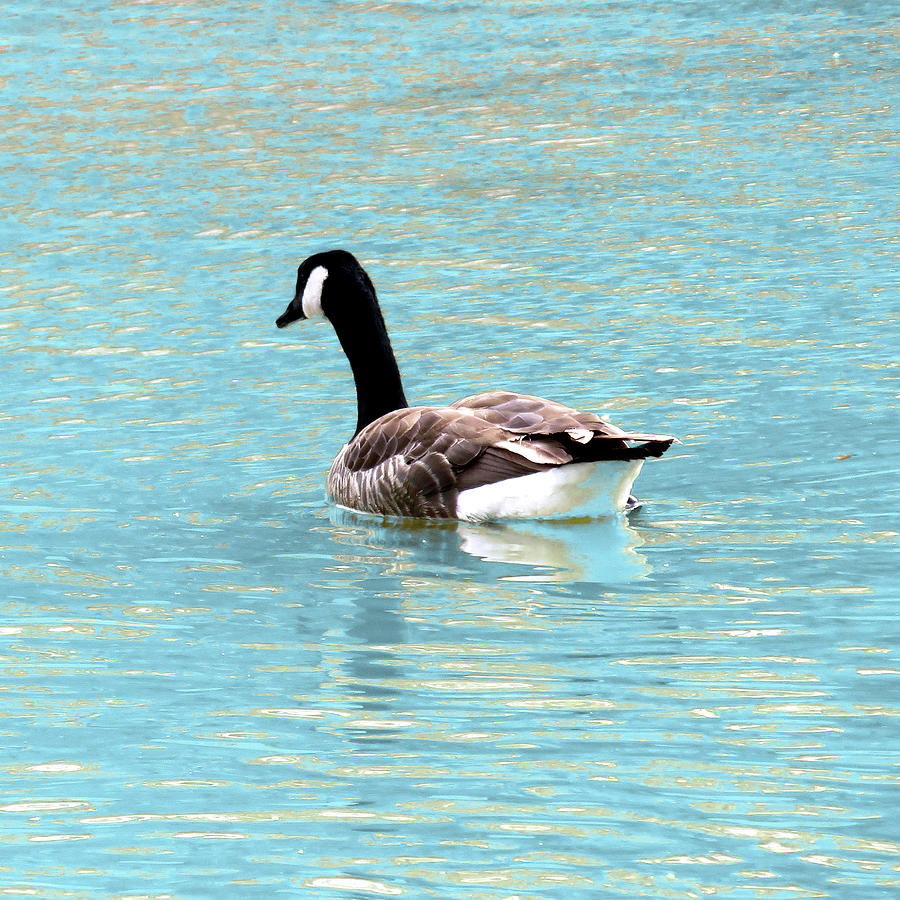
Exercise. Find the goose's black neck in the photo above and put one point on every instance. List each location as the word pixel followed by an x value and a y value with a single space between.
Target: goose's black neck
pixel 364 337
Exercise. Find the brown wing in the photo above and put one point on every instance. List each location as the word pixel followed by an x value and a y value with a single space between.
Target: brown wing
pixel 583 434
pixel 417 431
pixel 415 461
pixel 529 415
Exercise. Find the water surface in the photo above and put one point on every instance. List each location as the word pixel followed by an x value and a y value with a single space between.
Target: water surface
pixel 681 215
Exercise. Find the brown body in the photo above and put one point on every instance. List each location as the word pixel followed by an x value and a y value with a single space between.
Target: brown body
pixel 417 460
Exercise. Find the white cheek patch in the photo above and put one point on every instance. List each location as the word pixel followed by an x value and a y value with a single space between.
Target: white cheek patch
pixel 312 293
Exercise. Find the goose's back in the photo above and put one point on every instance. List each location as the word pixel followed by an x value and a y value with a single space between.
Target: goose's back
pixel 417 460
pixel 525 414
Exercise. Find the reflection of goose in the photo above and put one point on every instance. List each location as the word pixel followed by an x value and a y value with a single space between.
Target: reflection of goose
pixel 603 551
pixel 493 455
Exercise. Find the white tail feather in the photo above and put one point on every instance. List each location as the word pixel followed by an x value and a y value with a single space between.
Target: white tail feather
pixel 572 491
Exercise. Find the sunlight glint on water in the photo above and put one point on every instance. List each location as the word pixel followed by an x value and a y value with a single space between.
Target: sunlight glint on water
pixel 216 684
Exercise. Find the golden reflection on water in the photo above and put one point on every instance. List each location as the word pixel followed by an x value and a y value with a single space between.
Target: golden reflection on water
pixel 659 224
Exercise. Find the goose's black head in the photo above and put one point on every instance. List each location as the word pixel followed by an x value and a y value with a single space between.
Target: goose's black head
pixel 326 283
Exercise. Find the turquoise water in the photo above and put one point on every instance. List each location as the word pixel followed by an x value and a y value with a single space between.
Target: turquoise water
pixel 683 215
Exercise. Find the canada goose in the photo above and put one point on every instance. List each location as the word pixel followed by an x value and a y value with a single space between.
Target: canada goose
pixel 490 456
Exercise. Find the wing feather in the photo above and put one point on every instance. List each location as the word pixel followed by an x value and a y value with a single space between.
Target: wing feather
pixel 415 461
